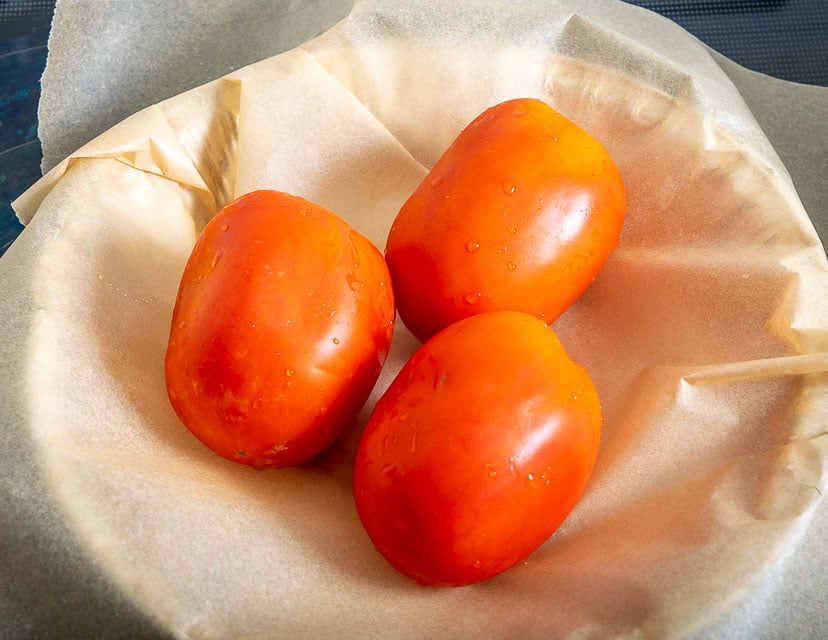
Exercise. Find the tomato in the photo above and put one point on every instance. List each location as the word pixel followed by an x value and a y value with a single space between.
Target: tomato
pixel 282 323
pixel 520 212
pixel 478 450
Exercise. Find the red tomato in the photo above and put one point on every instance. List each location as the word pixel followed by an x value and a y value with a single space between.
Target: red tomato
pixel 478 450
pixel 282 323
pixel 520 212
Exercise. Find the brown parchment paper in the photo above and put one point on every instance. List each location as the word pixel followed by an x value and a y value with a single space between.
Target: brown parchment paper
pixel 706 335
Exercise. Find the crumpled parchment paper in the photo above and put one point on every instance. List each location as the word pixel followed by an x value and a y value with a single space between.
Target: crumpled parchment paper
pixel 706 335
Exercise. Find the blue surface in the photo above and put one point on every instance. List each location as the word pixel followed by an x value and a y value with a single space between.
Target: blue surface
pixel 787 39
pixel 24 33
pixel 783 38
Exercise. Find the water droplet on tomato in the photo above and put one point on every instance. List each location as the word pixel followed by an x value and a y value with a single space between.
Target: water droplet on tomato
pixel 289 372
pixel 336 340
pixel 436 181
pixel 332 313
pixel 388 470
pixel 356 285
pixel 224 227
pixel 509 187
pixel 472 297
pixel 215 261
pixel 511 266
pixel 472 246
pixel 477 564
pixel 401 522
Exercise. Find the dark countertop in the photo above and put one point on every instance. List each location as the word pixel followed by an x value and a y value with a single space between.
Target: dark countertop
pixel 24 34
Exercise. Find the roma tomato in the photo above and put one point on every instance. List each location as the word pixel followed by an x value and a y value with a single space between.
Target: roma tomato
pixel 520 212
pixel 282 323
pixel 477 451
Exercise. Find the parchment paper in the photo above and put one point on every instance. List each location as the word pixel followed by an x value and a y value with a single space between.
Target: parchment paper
pixel 706 335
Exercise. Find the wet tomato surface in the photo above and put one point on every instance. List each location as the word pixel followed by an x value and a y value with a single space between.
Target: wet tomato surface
pixel 478 450
pixel 520 212
pixel 281 325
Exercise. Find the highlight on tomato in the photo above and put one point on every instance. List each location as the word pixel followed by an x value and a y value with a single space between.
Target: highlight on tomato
pixel 520 212
pixel 282 322
pixel 478 450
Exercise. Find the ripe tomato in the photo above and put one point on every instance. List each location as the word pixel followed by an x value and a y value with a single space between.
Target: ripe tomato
pixel 282 323
pixel 477 451
pixel 520 212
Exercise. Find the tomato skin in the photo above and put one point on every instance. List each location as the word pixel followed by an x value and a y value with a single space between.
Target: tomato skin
pixel 520 212
pixel 282 322
pixel 478 450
